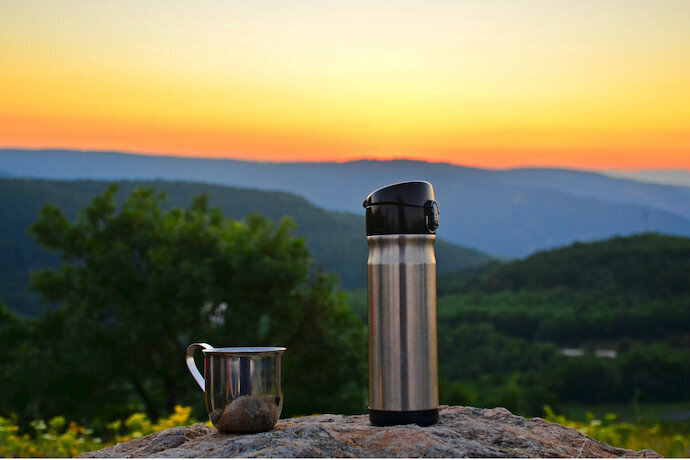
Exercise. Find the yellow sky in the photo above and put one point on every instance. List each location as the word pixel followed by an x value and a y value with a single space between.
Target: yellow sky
pixel 587 84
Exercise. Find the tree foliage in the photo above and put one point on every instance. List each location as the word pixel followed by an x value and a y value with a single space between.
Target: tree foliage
pixel 138 284
pixel 501 326
pixel 335 239
pixel 647 265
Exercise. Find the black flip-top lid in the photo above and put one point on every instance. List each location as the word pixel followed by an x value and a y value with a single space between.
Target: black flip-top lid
pixel 413 193
pixel 402 208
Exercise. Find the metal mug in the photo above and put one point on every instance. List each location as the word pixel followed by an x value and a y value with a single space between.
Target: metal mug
pixel 242 386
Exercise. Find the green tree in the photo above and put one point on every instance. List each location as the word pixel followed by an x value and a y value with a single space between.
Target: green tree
pixel 12 334
pixel 137 285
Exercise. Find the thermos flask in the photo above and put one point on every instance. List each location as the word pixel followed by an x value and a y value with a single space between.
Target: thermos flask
pixel 401 222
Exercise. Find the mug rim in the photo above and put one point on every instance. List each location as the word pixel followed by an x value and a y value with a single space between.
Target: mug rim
pixel 245 350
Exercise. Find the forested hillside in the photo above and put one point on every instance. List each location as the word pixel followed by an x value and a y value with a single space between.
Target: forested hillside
pixel 623 304
pixel 635 288
pixel 649 265
pixel 337 241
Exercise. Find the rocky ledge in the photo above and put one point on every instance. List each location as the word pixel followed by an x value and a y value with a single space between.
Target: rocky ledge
pixel 461 432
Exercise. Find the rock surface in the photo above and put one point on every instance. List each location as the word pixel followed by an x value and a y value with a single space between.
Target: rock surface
pixel 461 432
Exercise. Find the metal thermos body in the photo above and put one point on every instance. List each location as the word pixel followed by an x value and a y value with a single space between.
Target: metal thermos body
pixel 403 364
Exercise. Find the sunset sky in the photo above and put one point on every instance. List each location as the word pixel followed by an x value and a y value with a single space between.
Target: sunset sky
pixel 584 84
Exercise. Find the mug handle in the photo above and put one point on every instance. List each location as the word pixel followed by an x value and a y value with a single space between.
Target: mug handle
pixel 192 365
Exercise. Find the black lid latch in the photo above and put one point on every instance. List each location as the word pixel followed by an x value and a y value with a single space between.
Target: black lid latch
pixel 431 212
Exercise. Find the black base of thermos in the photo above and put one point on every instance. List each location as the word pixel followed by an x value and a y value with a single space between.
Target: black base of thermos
pixel 389 417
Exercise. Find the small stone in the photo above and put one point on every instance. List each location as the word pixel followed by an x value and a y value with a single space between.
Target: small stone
pixel 247 414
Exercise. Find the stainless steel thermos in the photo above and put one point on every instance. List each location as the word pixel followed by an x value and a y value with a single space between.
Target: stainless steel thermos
pixel 401 222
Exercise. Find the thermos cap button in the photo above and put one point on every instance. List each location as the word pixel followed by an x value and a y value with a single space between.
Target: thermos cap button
pixel 431 211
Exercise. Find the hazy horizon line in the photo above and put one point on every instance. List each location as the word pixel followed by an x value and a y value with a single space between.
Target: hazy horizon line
pixel 352 160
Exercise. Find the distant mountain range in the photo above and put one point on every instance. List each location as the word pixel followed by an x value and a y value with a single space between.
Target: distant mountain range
pixel 507 213
pixel 655 176
pixel 336 240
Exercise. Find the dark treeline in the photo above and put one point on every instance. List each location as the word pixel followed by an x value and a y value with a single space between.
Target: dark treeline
pixel 647 266
pixel 501 327
pixel 571 318
pixel 480 366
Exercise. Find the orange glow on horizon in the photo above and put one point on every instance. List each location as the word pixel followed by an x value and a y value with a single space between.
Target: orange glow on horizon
pixel 486 84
